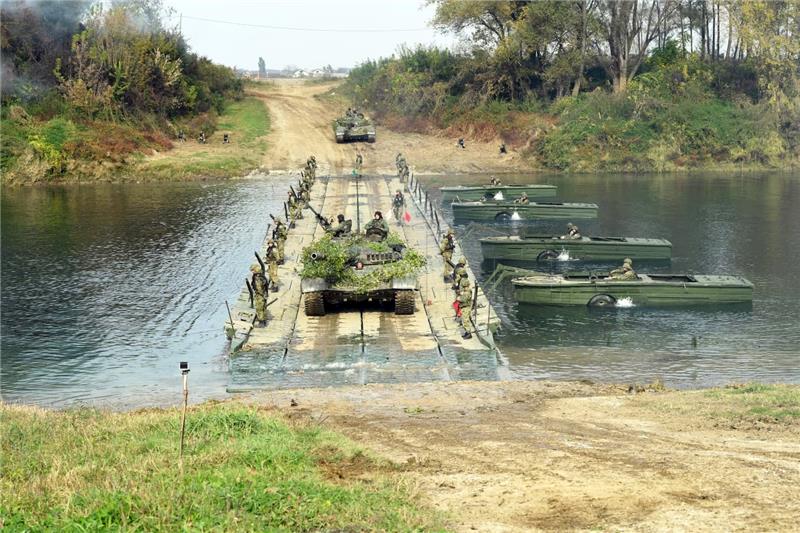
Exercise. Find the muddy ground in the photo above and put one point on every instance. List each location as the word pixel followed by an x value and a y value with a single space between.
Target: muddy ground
pixel 555 456
pixel 301 117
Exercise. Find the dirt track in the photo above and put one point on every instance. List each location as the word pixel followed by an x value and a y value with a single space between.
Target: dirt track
pixel 301 125
pixel 522 456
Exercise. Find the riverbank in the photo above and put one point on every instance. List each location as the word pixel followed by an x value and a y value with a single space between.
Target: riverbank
pixel 487 456
pixel 105 152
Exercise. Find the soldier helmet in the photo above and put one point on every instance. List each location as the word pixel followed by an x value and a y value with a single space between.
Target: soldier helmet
pixel 462 262
pixel 464 282
pixel 378 214
pixel 255 267
pixel 450 231
pixel 627 261
pixel 313 158
pixel 270 243
pixel 340 217
pixel 570 225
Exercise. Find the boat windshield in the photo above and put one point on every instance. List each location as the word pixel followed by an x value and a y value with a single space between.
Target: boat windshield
pixel 673 278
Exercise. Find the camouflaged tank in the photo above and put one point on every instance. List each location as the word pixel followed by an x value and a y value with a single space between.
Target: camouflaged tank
pixel 354 127
pixel 358 271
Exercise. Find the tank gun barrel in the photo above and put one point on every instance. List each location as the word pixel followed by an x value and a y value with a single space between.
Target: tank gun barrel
pixel 317 256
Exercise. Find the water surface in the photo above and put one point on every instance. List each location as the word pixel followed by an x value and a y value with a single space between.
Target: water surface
pixel 106 287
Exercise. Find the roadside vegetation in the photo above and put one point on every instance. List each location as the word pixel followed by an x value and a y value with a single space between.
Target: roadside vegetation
pixel 735 406
pixel 593 85
pixel 88 87
pixel 245 469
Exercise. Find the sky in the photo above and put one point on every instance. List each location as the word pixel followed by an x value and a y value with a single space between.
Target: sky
pixel 365 29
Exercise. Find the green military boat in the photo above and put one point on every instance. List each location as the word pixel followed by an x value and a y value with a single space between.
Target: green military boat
pixel 496 192
pixel 547 247
pixel 592 289
pixel 507 211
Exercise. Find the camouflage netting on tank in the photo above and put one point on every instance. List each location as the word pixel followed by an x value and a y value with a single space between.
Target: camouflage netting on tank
pixel 339 256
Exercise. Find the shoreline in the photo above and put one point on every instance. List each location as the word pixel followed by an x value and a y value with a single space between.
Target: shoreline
pixel 461 456
pixel 267 138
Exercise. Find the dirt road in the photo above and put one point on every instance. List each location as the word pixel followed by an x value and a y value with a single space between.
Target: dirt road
pixel 522 456
pixel 301 118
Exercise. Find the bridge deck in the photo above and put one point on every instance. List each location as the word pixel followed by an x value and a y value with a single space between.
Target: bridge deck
pixel 361 345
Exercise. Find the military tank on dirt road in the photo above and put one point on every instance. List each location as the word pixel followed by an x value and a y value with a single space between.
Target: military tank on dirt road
pixel 354 126
pixel 354 269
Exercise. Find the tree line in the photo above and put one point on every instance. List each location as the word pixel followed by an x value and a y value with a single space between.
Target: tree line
pixel 113 61
pixel 613 73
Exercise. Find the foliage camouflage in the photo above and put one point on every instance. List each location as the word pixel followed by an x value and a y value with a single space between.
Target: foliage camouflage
pixel 339 255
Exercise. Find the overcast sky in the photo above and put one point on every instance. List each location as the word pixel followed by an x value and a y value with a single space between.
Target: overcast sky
pixel 370 30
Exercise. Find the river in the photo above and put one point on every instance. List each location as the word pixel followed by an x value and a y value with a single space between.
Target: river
pixel 107 287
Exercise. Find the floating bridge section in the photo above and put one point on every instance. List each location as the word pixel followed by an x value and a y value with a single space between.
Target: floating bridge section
pixel 359 346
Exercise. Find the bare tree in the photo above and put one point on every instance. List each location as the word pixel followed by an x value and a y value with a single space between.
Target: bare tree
pixel 630 27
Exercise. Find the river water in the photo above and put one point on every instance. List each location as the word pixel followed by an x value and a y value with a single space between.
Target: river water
pixel 106 287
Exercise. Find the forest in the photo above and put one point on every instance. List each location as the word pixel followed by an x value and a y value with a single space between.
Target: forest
pixel 96 83
pixel 588 85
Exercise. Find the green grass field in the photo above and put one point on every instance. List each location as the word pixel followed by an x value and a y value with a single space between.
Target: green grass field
pixel 248 123
pixel 244 469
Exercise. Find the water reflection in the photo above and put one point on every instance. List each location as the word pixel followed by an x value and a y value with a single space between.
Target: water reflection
pixel 105 288
pixel 717 224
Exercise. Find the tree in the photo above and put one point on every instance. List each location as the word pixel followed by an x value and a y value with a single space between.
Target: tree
pixel 262 68
pixel 630 26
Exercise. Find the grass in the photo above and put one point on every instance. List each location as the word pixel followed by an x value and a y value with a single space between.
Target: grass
pixel 246 120
pixel 734 406
pixel 245 469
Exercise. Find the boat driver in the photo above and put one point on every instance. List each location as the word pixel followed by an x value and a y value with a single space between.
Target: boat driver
pixel 625 272
pixel 572 232
pixel 523 199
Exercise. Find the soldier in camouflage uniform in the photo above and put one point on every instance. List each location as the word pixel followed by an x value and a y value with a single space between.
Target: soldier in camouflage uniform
pixel 459 273
pixel 624 273
pixel 398 206
pixel 295 211
pixel 280 234
pixel 311 168
pixel 446 249
pixel 464 300
pixel 305 196
pixel 272 258
pixel 259 284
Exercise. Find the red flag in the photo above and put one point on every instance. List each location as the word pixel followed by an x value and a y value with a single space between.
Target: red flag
pixel 407 217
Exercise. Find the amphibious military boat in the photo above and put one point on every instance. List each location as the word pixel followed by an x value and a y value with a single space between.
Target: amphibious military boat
pixel 506 210
pixel 592 289
pixel 546 247
pixel 496 192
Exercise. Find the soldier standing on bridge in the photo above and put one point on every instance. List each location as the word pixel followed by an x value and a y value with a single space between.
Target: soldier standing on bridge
pixel 295 211
pixel 359 163
pixel 280 234
pixel 398 206
pixel 272 258
pixel 446 248
pixel 311 167
pixel 459 273
pixel 464 300
pixel 259 284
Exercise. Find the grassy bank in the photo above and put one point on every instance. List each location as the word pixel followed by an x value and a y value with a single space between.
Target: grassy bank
pixel 60 149
pixel 247 122
pixel 245 469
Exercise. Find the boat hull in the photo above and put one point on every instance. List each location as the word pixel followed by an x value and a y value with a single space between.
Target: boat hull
pixel 510 192
pixel 647 291
pixel 509 211
pixel 538 248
